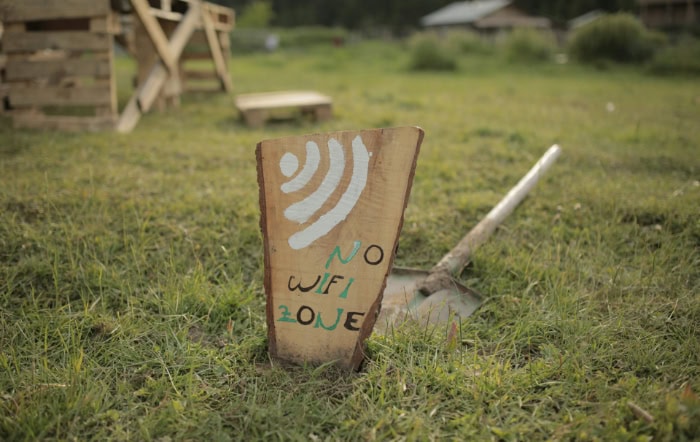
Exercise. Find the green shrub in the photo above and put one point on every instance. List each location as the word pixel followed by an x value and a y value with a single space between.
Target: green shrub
pixel 428 52
pixel 258 14
pixel 528 45
pixel 468 42
pixel 616 37
pixel 681 58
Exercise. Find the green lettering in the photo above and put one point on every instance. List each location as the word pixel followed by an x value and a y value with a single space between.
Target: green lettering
pixel 319 290
pixel 285 314
pixel 319 321
pixel 336 251
pixel 344 294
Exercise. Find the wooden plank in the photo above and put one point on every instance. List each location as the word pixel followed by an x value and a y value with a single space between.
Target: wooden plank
pixel 155 33
pixel 330 237
pixel 22 95
pixel 225 43
pixel 113 107
pixel 274 100
pixel 58 122
pixel 29 70
pixel 216 54
pixel 109 24
pixel 28 10
pixel 15 27
pixel 70 41
pixel 148 90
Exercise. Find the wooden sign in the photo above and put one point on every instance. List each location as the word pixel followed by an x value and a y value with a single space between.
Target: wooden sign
pixel 331 211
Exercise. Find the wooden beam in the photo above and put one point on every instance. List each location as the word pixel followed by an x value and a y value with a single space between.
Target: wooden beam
pixel 155 33
pixel 147 92
pixel 70 41
pixel 166 15
pixel 28 10
pixel 113 109
pixel 216 54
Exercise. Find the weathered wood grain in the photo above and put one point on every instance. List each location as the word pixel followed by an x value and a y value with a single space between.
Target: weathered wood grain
pixel 329 241
pixel 26 69
pixel 27 10
pixel 23 95
pixel 69 41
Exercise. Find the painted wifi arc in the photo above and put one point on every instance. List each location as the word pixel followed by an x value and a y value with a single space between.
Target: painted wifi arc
pixel 306 208
pixel 303 210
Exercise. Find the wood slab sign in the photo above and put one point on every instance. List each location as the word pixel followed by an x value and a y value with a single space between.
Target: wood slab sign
pixel 332 207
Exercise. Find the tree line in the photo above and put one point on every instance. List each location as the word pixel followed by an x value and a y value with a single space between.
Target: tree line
pixel 401 15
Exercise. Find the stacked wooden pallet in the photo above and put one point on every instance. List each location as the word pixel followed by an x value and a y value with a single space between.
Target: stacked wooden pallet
pixel 59 68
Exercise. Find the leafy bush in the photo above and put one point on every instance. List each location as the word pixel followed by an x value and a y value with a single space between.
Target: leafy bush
pixel 682 58
pixel 616 37
pixel 428 52
pixel 468 42
pixel 258 14
pixel 528 45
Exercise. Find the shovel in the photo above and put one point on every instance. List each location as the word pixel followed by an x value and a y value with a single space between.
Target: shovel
pixel 435 296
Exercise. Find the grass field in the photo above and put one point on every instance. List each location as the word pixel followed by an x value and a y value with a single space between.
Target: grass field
pixel 131 304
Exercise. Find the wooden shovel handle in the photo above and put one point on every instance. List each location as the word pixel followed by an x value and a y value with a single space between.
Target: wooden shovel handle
pixel 457 258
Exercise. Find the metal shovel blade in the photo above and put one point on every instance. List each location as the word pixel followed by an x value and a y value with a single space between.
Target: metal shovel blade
pixel 403 301
pixel 434 297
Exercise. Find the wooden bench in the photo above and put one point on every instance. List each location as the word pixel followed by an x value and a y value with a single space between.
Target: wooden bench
pixel 258 108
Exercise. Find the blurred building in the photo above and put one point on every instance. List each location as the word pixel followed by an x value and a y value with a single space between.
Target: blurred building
pixel 584 19
pixel 669 13
pixel 483 16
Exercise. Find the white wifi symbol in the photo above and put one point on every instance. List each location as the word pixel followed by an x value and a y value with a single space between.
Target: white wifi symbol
pixel 303 210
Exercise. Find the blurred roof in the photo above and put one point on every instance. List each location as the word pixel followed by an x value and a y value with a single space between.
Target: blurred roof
pixel 585 18
pixel 463 12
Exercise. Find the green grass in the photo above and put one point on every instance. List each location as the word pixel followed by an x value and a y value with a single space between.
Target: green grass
pixel 131 304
